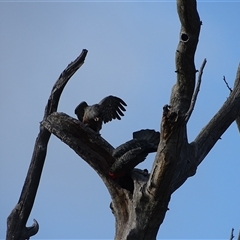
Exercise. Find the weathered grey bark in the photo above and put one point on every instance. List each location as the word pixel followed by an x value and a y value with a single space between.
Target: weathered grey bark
pixel 140 214
pixel 16 222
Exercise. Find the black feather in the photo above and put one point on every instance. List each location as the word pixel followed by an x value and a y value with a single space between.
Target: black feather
pixel 131 153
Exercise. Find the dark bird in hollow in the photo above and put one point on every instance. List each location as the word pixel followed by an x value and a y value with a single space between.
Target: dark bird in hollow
pixel 109 108
pixel 131 153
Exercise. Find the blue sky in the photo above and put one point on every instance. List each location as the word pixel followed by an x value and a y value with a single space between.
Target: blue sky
pixel 131 55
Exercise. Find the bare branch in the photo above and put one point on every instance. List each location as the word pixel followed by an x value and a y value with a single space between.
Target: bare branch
pixel 88 144
pixel 238 118
pixel 219 123
pixel 185 67
pixel 139 211
pixel 231 235
pixel 173 126
pixel 197 89
pixel 16 221
pixel 224 79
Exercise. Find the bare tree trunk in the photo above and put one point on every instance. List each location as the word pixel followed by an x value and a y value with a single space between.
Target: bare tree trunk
pixel 139 214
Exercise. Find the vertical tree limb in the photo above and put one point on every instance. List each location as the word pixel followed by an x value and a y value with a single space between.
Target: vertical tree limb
pixel 172 155
pixel 197 89
pixel 185 66
pixel 173 140
pixel 16 222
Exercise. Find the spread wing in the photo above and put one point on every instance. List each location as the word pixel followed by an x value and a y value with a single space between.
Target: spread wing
pixel 129 160
pixel 128 146
pixel 79 110
pixel 112 107
pixel 150 135
pixel 129 154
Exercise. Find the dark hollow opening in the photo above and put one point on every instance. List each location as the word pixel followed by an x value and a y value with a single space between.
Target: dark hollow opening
pixel 184 37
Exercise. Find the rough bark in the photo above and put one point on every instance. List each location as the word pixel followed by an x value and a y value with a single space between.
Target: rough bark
pixel 16 222
pixel 139 214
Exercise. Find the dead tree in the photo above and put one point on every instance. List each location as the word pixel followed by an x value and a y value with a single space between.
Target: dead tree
pixel 140 213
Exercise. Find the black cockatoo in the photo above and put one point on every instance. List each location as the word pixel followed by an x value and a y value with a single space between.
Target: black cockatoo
pixel 131 153
pixel 109 108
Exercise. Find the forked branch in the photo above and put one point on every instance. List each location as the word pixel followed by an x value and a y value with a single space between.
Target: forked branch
pixel 16 222
pixel 212 132
pixel 90 146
